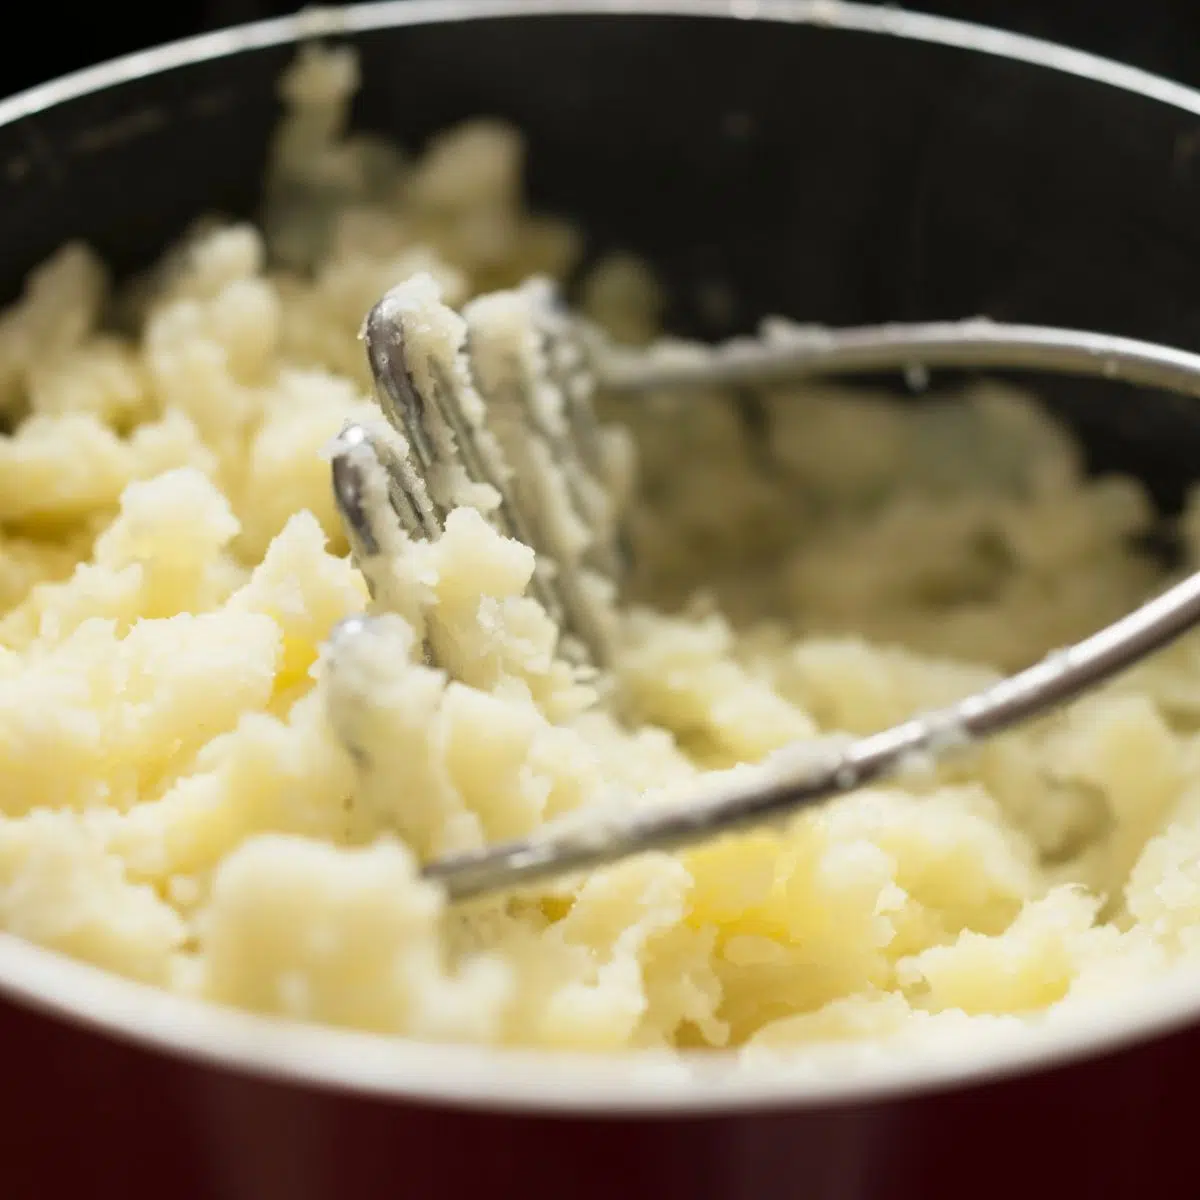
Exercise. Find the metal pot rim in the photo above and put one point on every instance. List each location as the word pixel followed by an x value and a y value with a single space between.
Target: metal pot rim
pixel 540 1081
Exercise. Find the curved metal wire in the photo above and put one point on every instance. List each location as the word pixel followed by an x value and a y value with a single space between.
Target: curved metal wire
pixel 769 795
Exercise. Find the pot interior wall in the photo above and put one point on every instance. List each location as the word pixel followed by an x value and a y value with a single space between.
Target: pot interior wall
pixel 828 175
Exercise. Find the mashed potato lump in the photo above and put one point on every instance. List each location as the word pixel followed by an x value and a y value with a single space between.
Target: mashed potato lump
pixel 175 807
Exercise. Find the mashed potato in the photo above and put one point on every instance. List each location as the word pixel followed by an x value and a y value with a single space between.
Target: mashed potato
pixel 175 805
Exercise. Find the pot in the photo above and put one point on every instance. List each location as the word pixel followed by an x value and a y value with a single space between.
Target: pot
pixel 835 162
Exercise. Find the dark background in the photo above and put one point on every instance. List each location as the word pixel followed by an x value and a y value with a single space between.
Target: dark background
pixel 1161 35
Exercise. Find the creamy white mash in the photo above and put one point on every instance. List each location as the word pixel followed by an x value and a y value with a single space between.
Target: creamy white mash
pixel 175 806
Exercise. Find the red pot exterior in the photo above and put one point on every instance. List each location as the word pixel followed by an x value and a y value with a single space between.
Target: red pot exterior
pixel 84 1114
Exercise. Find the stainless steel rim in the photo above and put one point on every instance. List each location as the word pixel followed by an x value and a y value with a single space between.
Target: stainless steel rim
pixel 388 14
pixel 533 1081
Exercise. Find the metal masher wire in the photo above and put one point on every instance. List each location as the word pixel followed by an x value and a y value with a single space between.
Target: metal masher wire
pixel 770 793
